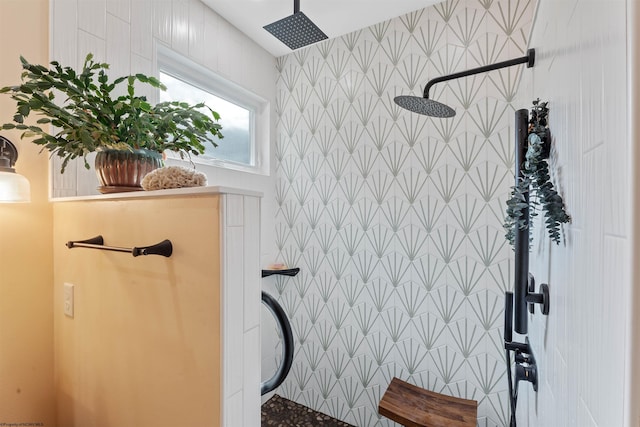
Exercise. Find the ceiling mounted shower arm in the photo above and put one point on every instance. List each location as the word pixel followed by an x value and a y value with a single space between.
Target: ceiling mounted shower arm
pixel 529 59
pixel 296 6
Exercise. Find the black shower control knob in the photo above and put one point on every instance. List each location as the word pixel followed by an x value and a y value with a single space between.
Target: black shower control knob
pixel 529 373
pixel 523 358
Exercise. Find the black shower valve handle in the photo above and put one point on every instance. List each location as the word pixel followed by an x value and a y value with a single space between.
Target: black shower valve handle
pixel 526 368
pixel 521 357
pixel 527 372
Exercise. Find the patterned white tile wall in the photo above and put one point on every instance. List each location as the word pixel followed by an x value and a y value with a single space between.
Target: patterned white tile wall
pixel 581 347
pixel 395 218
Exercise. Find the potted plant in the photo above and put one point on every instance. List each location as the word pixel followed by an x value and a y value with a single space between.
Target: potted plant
pixel 92 118
pixel 537 181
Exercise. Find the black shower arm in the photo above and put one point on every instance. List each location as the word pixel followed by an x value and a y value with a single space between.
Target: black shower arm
pixel 296 6
pixel 529 60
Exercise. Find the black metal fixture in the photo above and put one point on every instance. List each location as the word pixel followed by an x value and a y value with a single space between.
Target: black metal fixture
pixel 287 348
pixel 14 187
pixel 526 368
pixel 524 298
pixel 296 30
pixel 164 248
pixel 284 272
pixel 424 105
pixel 284 327
pixel 524 286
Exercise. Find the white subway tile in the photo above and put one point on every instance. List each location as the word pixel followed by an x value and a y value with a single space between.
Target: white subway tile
pixel 118 44
pixel 211 34
pixel 180 26
pixel 232 412
pixel 87 181
pixel 233 297
pixel 252 279
pixel 120 9
pixel 64 184
pixel 234 207
pixel 142 28
pixel 230 53
pixel 64 24
pixel 143 65
pixel 162 20
pixel 251 387
pixel 88 43
pixel 197 46
pixel 92 17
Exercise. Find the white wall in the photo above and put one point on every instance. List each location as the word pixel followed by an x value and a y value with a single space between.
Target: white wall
pixel 125 33
pixel 632 409
pixel 581 348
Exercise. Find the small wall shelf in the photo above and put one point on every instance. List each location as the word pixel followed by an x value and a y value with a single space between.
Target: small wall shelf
pixel 287 272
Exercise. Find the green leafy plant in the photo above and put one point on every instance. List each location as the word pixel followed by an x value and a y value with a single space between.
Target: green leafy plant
pixel 537 181
pixel 92 118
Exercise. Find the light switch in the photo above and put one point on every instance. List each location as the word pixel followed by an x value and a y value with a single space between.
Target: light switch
pixel 68 299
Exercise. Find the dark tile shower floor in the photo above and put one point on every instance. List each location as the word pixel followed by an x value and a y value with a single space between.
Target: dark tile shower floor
pixel 281 412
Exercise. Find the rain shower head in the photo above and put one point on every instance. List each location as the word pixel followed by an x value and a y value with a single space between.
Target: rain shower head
pixel 428 107
pixel 425 106
pixel 296 30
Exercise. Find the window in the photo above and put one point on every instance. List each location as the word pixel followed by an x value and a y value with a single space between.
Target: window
pixel 243 115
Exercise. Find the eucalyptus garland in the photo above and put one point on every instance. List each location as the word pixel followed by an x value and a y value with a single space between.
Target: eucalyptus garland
pixel 537 181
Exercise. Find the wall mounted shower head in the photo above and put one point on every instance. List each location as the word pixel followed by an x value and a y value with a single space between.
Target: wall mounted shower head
pixel 296 30
pixel 424 105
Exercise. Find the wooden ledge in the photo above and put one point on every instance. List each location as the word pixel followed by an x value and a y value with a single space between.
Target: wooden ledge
pixel 413 406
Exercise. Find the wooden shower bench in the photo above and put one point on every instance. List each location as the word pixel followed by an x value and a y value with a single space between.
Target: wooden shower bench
pixel 413 406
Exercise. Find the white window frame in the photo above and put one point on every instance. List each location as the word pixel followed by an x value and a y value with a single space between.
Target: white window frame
pixel 178 66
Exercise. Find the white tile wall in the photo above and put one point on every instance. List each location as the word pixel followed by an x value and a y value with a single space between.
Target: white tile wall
pixel 582 347
pixel 120 9
pixel 124 33
pixel 632 409
pixel 241 307
pixel 252 296
pixel 142 38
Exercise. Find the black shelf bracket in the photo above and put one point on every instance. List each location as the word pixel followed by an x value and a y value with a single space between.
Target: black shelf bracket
pixel 288 272
pixel 164 248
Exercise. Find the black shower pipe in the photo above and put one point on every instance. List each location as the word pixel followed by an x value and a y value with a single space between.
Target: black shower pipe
pixel 529 59
pixel 287 350
pixel 521 243
pixel 296 6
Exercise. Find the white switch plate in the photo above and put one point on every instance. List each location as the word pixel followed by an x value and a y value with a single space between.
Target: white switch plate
pixel 68 299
